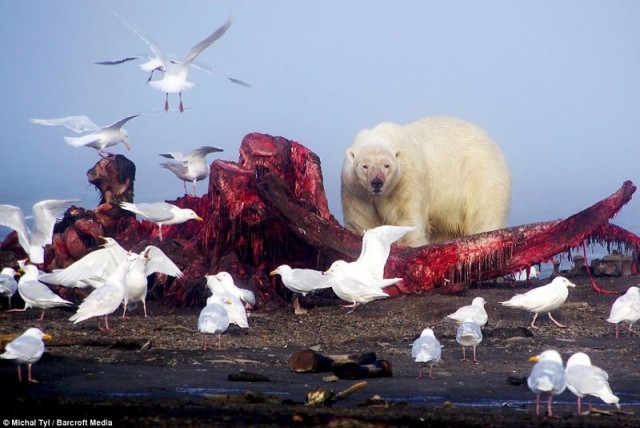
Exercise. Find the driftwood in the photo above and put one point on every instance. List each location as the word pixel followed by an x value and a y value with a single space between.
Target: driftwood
pixel 270 208
pixel 311 361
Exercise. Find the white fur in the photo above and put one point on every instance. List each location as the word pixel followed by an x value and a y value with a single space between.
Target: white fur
pixel 442 175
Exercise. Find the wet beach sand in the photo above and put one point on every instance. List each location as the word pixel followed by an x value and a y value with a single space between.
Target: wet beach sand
pixel 154 372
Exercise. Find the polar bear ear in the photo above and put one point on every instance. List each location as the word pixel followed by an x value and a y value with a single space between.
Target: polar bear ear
pixel 351 154
pixel 397 153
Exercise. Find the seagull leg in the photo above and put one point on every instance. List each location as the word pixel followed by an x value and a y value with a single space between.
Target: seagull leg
pixel 579 403
pixel 181 108
pixel 106 322
pixel 533 321
pixel 537 404
pixel 124 311
pixel 464 356
pixel 19 374
pixel 557 323
pixel 186 192
pixel 29 378
pixel 474 354
pixel 431 371
pixel 195 192
pixel 166 102
pixel 160 232
pixel 630 329
pixel 617 330
pixel 419 370
pixel 549 411
pixel 204 343
pixel 41 316
pixel 144 308
pixel 219 341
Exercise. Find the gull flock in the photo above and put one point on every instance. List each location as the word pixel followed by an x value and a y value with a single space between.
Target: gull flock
pixel 115 277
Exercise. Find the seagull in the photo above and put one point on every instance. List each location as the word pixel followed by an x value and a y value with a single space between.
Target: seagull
pixel 303 281
pixel 213 319
pixel 355 286
pixel 231 303
pixel 106 299
pixel 98 138
pixel 26 349
pixel 45 214
pixel 426 349
pixel 8 283
pixel 151 260
pixel 547 377
pixel 586 379
pixel 174 75
pixel 92 269
pixel 37 295
pixel 191 166
pixel 469 334
pixel 626 308
pixel 153 64
pixel 474 312
pixel 161 213
pixel 545 298
pixel 362 281
pixel 224 281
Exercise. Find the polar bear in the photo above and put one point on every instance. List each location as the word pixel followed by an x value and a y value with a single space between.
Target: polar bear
pixel 442 175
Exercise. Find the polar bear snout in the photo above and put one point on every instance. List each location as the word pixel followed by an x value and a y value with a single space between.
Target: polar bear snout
pixel 376 185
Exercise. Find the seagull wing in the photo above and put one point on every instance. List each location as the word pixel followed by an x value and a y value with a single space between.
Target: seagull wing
pixel 13 217
pixel 77 124
pixel 118 61
pixel 376 246
pixel 160 262
pixel 198 48
pixel 121 122
pixel 46 214
pixel 210 70
pixel 155 48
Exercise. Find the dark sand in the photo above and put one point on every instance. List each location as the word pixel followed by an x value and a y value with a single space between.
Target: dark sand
pixel 167 383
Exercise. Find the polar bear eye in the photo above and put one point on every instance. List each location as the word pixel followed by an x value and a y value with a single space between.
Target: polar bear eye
pixel 365 166
pixel 387 166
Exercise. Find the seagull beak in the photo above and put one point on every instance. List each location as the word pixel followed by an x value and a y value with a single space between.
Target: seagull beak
pixel 533 359
pixel 199 218
pixel 47 337
pixel 273 272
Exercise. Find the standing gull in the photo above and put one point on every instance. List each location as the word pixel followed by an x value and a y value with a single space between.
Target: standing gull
pixel 469 334
pixel 8 283
pixel 35 294
pixel 231 303
pixel 243 294
pixel 586 379
pixel 547 377
pixel 151 260
pixel 626 309
pixel 474 312
pixel 213 319
pixel 303 281
pixel 105 300
pixel 161 213
pixel 191 167
pixel 545 298
pixel 98 138
pixel 426 349
pixel 363 280
pixel 26 349
pixel 45 215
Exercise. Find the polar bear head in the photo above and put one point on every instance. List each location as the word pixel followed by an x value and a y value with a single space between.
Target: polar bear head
pixel 375 166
